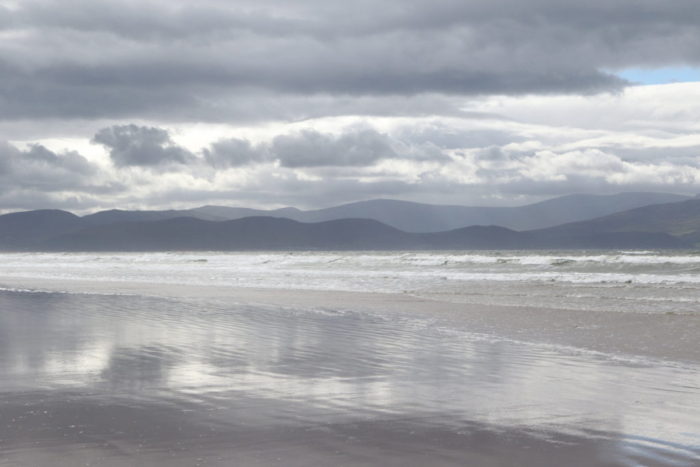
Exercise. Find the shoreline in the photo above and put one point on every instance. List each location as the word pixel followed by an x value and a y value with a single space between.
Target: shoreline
pixel 667 337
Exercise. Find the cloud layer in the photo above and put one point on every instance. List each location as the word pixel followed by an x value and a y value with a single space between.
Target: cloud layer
pixel 172 104
pixel 131 145
pixel 176 60
pixel 645 140
pixel 37 177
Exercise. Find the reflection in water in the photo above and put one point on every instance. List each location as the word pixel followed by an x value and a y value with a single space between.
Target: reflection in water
pixel 110 380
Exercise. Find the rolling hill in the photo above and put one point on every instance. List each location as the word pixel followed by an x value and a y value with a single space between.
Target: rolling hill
pixel 418 218
pixel 670 225
pixel 269 233
pixel 682 220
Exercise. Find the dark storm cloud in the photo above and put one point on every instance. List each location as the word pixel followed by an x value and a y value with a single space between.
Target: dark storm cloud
pixel 131 145
pixel 151 147
pixel 178 60
pixel 305 149
pixel 42 169
pixel 70 161
pixel 37 177
pixel 313 149
pixel 233 152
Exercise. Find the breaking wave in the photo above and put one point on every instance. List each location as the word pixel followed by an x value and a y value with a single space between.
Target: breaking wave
pixel 645 281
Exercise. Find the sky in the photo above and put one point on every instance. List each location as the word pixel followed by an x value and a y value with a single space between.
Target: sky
pixel 314 103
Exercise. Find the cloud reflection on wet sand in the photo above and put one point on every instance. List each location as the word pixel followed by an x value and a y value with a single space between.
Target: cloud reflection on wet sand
pixel 118 380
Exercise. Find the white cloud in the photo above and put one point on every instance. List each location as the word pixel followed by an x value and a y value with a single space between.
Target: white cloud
pixel 512 150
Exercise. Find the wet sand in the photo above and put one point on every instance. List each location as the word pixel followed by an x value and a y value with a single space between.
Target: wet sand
pixel 668 336
pixel 184 376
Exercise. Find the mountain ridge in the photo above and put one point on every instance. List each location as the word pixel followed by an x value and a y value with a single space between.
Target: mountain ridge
pixel 273 234
pixel 670 225
pixel 681 220
pixel 423 218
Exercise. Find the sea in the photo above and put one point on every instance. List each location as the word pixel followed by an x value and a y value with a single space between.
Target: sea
pixel 91 376
pixel 637 281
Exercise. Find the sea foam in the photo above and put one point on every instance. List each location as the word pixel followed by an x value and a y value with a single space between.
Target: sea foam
pixel 639 281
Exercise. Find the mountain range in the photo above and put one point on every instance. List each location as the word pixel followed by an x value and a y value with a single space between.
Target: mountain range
pixel 673 224
pixel 419 218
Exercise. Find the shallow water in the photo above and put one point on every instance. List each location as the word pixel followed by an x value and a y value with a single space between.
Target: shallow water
pixel 129 380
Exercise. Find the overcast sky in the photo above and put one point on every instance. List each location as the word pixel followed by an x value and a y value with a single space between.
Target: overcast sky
pixel 313 103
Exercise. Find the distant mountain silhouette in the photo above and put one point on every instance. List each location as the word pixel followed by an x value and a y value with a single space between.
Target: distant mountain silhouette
pixel 117 215
pixel 269 233
pixel 681 220
pixel 671 225
pixel 417 217
pixel 27 230
pixel 250 233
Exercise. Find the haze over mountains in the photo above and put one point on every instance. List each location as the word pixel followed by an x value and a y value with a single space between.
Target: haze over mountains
pixel 417 217
pixel 681 220
pixel 368 226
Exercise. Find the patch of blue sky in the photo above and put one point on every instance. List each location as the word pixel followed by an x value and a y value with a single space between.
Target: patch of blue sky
pixel 650 76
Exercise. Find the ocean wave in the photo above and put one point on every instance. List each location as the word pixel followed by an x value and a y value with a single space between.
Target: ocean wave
pixel 365 271
pixel 364 259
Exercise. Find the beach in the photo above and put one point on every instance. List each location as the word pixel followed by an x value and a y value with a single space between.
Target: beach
pixel 348 233
pixel 114 361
